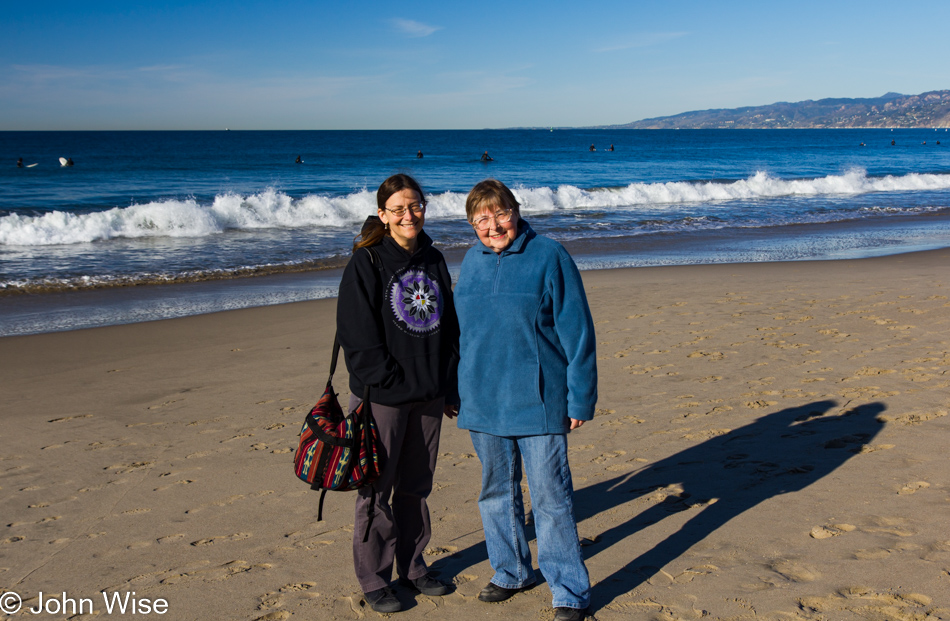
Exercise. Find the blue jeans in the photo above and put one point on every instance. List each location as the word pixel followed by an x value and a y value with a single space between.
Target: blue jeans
pixel 552 503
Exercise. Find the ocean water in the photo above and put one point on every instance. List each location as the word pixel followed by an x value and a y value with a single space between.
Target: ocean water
pixel 142 209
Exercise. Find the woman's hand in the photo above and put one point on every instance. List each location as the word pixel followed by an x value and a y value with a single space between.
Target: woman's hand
pixel 576 423
pixel 450 411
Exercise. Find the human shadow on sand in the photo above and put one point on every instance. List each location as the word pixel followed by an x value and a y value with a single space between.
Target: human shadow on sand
pixel 719 479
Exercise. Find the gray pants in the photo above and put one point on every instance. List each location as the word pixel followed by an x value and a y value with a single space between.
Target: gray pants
pixel 409 435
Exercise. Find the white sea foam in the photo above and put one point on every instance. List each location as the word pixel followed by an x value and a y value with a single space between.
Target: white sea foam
pixel 272 209
pixel 759 185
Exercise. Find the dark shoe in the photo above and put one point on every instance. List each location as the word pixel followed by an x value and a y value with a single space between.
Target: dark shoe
pixel 570 614
pixel 494 593
pixel 427 585
pixel 383 600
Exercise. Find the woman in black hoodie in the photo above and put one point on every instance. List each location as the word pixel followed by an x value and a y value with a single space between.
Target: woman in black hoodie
pixel 396 323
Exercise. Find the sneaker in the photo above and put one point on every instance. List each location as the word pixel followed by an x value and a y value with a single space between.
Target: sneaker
pixel 570 614
pixel 493 593
pixel 427 585
pixel 383 600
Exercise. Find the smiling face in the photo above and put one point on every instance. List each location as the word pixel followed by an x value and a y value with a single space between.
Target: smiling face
pixel 499 235
pixel 406 228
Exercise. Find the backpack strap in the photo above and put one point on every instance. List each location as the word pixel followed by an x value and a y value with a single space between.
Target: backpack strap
pixel 334 358
pixel 368 416
pixel 323 494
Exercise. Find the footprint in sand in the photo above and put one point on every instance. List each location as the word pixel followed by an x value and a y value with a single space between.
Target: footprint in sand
pixel 623 420
pixel 136 511
pixel 277 615
pixel 230 500
pixel 213 574
pixel 440 550
pixel 171 485
pixel 170 538
pixel 45 520
pixel 889 526
pixel 910 488
pixel 706 434
pixel 795 571
pixel 832 530
pixel 213 540
pixel 297 587
pixel 460 579
pixel 639 369
pixel 871 605
pixel 163 404
pixel 912 418
pixel 126 468
pixel 66 418
pixel 871 448
pixel 694 572
pixel 711 355
pixel 607 456
pixel 845 441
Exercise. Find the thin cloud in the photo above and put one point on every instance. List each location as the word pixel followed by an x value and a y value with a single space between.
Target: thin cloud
pixel 643 40
pixel 413 28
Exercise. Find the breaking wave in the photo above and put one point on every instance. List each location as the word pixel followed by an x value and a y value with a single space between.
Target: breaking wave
pixel 272 209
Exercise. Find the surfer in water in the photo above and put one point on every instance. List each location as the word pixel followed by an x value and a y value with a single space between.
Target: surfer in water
pixel 611 148
pixel 486 157
pixel 419 154
pixel 592 149
pixel 298 160
pixel 19 163
pixel 69 161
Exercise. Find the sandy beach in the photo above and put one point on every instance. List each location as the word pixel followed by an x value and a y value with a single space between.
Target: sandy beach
pixel 770 444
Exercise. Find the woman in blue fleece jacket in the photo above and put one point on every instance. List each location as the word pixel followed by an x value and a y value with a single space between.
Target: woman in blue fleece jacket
pixel 527 376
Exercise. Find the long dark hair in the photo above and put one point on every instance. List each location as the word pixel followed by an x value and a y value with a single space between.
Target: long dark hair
pixel 373 229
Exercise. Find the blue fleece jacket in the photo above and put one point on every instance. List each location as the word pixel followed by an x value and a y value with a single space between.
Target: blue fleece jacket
pixel 528 361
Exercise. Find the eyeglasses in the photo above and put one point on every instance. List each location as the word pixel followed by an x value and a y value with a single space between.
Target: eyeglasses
pixel 416 208
pixel 501 217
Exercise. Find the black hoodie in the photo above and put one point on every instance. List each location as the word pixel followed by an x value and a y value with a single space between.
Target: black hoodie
pixel 396 323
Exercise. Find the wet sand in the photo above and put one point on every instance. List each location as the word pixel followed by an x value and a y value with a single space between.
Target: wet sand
pixel 770 443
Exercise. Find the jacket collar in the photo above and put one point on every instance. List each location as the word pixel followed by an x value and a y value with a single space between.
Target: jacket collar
pixel 396 251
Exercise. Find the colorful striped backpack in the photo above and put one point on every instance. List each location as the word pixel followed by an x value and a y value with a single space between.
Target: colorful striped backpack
pixel 339 452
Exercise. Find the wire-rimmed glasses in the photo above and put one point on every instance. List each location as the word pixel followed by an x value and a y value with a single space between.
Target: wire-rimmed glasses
pixel 501 217
pixel 416 208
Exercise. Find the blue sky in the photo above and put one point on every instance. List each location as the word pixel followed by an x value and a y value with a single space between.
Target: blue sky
pixel 364 64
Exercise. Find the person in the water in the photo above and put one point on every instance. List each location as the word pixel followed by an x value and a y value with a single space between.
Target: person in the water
pixel 298 160
pixel 486 157
pixel 19 163
pixel 419 154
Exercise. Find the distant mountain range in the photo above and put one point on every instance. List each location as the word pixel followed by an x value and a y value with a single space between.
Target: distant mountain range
pixel 892 110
